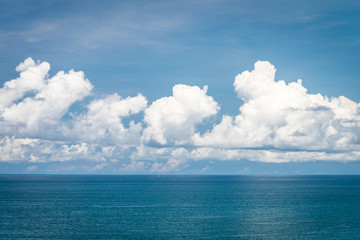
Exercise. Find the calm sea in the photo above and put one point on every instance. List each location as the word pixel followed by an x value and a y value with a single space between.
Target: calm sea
pixel 179 207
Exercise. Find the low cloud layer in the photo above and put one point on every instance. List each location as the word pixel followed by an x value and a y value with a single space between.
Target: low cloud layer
pixel 277 122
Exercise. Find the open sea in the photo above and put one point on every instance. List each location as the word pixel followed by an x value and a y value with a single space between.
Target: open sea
pixel 179 207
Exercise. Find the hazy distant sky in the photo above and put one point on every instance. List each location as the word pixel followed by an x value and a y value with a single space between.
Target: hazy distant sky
pixel 199 87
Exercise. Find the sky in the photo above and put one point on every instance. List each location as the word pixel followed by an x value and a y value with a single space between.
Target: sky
pixel 180 87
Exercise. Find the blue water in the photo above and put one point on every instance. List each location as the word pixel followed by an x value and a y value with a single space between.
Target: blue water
pixel 179 207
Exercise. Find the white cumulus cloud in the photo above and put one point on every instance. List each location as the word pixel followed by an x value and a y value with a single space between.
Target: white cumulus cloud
pixel 33 102
pixel 284 116
pixel 171 120
pixel 31 78
pixel 103 120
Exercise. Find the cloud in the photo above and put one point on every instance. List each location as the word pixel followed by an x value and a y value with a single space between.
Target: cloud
pixel 172 120
pixel 33 102
pixel 31 78
pixel 31 168
pixel 277 122
pixel 146 153
pixel 270 156
pixel 120 25
pixel 97 167
pixel 134 166
pixel 284 116
pixel 14 150
pixel 32 150
pixel 33 127
pixel 103 120
pixel 172 165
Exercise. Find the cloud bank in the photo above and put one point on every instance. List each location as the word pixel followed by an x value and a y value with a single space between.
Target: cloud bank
pixel 277 122
pixel 284 116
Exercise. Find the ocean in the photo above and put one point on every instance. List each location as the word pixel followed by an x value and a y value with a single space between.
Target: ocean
pixel 179 207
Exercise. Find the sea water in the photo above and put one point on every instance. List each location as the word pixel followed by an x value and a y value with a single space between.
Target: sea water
pixel 179 207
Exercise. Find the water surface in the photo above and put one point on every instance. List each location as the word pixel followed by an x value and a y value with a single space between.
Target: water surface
pixel 179 207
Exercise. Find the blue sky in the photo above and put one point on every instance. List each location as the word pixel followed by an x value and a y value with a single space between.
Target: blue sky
pixel 126 48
